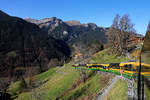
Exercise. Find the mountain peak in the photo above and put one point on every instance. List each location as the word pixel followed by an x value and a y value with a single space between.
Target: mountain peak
pixel 28 19
pixel 50 20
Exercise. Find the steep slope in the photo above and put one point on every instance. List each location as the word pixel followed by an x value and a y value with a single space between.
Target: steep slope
pixel 25 44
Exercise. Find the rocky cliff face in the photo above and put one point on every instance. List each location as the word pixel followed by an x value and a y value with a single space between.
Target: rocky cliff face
pixel 73 23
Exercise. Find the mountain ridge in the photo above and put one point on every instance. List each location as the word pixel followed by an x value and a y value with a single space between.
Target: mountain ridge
pixel 68 30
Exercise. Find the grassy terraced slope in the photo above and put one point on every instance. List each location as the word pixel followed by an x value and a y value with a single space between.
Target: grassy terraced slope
pixel 64 82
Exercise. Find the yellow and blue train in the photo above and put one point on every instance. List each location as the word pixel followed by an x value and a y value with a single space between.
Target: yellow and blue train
pixel 127 69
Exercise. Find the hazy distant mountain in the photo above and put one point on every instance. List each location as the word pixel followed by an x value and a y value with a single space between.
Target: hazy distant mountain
pixel 27 40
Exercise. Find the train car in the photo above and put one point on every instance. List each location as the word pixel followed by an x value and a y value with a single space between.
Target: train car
pixel 145 70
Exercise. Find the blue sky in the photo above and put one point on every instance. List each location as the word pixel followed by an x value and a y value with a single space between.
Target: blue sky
pixel 100 12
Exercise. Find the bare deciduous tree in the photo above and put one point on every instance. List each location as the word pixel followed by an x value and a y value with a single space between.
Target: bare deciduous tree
pixel 118 34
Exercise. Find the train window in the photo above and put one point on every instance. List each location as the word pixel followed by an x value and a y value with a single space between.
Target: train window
pixel 114 66
pixel 98 66
pixel 104 67
pixel 128 67
pixel 145 69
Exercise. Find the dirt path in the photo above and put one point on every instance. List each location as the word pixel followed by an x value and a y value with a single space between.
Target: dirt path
pixel 114 80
